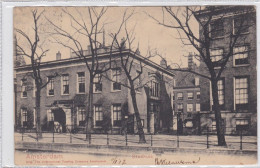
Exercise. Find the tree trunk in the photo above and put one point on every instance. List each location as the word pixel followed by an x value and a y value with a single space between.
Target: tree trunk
pixel 89 119
pixel 38 112
pixel 219 124
pixel 137 115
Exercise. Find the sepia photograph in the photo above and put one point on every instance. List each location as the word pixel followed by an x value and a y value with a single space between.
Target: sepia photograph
pixel 150 85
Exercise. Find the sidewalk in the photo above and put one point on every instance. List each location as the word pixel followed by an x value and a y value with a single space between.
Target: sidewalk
pixel 249 143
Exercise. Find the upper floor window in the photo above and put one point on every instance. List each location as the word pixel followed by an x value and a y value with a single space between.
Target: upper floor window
pixel 190 95
pixel 116 111
pixel 189 107
pixel 154 89
pixel 221 88
pixel 216 55
pixel 241 92
pixel 197 107
pixel 241 24
pixel 116 74
pixel 81 82
pixel 24 88
pixel 240 56
pixel 24 117
pixel 180 96
pixel 138 81
pixel 65 84
pixel 180 107
pixel 81 115
pixel 50 86
pixel 97 83
pixel 98 115
pixel 197 81
pixel 217 28
pixel 198 95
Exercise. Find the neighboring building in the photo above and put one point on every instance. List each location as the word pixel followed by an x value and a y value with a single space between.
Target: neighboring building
pixel 186 99
pixel 63 100
pixel 237 87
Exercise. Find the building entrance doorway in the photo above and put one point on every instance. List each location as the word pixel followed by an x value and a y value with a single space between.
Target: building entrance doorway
pixel 59 120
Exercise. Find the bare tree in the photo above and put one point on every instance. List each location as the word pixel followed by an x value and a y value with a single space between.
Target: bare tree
pixel 180 19
pixel 88 28
pixel 35 53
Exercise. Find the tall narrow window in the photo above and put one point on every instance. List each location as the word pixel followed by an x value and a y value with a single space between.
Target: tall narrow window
pixel 116 115
pixel 116 74
pixel 197 107
pixel 98 115
pixel 216 55
pixel 240 56
pixel 97 83
pixel 81 115
pixel 24 88
pixel 189 107
pixel 138 81
pixel 65 84
pixel 24 117
pixel 50 86
pixel 197 81
pixel 241 92
pixel 221 96
pixel 81 82
pixel 198 95
pixel 217 28
pixel 50 115
pixel 154 89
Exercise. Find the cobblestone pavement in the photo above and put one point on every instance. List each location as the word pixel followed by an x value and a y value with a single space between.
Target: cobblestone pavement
pixel 170 141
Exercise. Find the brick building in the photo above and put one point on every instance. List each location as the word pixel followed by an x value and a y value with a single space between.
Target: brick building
pixel 186 99
pixel 237 87
pixel 63 100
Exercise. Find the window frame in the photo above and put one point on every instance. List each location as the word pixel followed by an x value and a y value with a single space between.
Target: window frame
pixel 198 95
pixel 192 109
pixel 197 105
pixel 234 27
pixel 98 114
pixel 118 122
pixel 24 114
pixel 190 97
pixel 50 85
pixel 241 106
pixel 216 61
pixel 180 98
pixel 81 111
pixel 24 86
pixel 83 79
pixel 97 77
pixel 244 52
pixel 222 29
pixel 62 84
pixel 219 91
pixel 118 79
pixel 180 109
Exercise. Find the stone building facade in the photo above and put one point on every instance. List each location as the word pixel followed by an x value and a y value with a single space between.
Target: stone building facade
pixel 64 99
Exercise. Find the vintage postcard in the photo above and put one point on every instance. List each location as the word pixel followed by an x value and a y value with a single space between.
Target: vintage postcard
pixel 171 85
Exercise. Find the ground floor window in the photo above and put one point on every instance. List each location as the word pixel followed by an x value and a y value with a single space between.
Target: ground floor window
pixel 188 124
pixel 116 111
pixel 98 115
pixel 242 124
pixel 24 117
pixel 81 115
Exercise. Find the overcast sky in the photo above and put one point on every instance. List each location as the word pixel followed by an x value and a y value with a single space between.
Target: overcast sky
pixel 147 31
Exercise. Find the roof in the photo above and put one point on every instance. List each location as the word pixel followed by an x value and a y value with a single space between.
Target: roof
pixel 102 56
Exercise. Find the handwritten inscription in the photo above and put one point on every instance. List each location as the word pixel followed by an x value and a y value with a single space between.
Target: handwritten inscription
pixel 118 161
pixel 169 162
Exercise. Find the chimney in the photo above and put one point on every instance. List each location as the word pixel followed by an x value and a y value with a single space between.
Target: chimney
pixel 163 63
pixel 190 61
pixel 58 55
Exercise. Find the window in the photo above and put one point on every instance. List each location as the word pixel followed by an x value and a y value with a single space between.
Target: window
pixel 189 124
pixel 97 83
pixel 116 74
pixel 116 112
pixel 189 107
pixel 242 124
pixel 50 115
pixel 24 87
pixel 81 116
pixel 65 84
pixel 180 107
pixel 24 117
pixel 217 28
pixel 221 96
pixel 241 24
pixel 180 96
pixel 214 125
pixel 81 82
pixel 197 107
pixel 98 115
pixel 240 56
pixel 216 55
pixel 50 86
pixel 241 92
pixel 190 95
pixel 154 89
pixel 197 81
pixel 138 81
pixel 198 95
